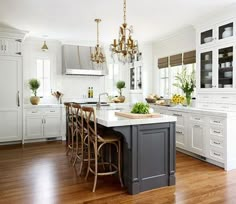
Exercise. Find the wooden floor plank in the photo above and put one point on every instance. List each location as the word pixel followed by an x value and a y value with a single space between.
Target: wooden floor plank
pixel 42 173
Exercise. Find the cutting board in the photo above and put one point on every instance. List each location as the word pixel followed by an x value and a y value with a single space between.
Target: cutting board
pixel 137 116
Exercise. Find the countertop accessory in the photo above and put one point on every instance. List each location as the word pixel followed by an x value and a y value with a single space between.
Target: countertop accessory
pixel 120 85
pixel 208 39
pixel 137 115
pixel 228 32
pixel 125 47
pixel 208 67
pixel 150 100
pixel 228 74
pixel 34 84
pixel 97 56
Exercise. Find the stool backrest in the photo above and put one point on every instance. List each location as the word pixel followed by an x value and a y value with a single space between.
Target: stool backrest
pixel 91 123
pixel 77 115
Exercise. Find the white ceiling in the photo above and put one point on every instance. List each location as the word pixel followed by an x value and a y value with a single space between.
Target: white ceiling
pixel 74 19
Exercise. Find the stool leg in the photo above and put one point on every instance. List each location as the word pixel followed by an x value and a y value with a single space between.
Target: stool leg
pixel 88 166
pixel 119 164
pixel 95 168
pixel 110 157
pixel 68 144
pixel 76 148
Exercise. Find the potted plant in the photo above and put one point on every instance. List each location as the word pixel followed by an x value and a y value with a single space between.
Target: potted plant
pixel 120 85
pixel 34 84
pixel 186 82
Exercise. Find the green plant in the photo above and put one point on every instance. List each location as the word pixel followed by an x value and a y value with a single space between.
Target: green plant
pixel 186 82
pixel 120 85
pixel 34 84
pixel 140 108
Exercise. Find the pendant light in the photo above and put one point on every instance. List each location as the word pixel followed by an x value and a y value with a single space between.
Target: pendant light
pixel 97 56
pixel 44 48
pixel 125 47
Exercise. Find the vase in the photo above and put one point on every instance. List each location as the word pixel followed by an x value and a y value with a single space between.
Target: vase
pixel 34 100
pixel 188 98
pixel 121 99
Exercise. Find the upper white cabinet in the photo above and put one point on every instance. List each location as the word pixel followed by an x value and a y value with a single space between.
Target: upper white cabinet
pixel 211 35
pixel 216 57
pixel 135 75
pixel 10 46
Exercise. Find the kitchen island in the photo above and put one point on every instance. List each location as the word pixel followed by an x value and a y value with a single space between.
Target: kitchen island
pixel 148 149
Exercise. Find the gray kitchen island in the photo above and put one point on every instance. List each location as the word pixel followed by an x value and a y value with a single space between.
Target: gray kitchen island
pixel 148 149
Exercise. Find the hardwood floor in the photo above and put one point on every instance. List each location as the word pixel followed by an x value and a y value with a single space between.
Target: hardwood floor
pixel 42 173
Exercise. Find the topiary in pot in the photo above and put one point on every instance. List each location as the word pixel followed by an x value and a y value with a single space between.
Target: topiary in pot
pixel 120 85
pixel 34 84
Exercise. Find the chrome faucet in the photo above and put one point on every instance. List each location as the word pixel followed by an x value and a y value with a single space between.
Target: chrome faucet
pixel 98 105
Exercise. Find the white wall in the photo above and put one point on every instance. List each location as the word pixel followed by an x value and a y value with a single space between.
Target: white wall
pixel 73 87
pixel 179 42
pixel 76 87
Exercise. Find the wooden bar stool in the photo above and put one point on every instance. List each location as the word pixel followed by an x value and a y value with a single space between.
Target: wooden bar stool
pixel 80 133
pixel 98 142
pixel 69 129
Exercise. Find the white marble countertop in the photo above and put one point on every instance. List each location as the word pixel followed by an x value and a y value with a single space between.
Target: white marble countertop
pixel 28 106
pixel 106 117
pixel 197 110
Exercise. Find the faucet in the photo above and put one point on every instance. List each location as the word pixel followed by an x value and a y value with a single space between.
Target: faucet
pixel 98 105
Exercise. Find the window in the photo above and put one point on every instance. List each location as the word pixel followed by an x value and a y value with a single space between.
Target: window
pixel 167 79
pixel 43 75
pixel 112 78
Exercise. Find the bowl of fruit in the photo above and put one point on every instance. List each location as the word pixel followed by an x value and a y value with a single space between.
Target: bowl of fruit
pixel 152 98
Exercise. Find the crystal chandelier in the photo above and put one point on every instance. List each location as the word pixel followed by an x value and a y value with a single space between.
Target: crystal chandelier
pixel 97 56
pixel 125 47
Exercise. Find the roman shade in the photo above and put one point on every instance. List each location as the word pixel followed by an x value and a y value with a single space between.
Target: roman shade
pixel 176 60
pixel 189 57
pixel 163 62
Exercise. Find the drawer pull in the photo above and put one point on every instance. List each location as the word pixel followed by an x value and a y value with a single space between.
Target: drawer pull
pixel 34 111
pixel 226 107
pixel 224 97
pixel 179 132
pixel 217 143
pixel 216 154
pixel 175 114
pixel 216 121
pixel 197 118
pixel 52 111
pixel 197 126
pixel 217 132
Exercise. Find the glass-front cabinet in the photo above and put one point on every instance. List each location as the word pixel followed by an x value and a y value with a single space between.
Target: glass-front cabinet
pixel 216 68
pixel 206 69
pixel 219 33
pixel 135 75
pixel 225 59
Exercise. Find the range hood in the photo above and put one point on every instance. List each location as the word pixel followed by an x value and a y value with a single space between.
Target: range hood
pixel 76 60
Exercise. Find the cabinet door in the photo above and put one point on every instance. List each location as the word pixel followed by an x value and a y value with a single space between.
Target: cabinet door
pixel 225 31
pixel 34 127
pixel 225 68
pixel 12 47
pixel 206 73
pixel 181 140
pixel 197 133
pixel 52 126
pixel 10 99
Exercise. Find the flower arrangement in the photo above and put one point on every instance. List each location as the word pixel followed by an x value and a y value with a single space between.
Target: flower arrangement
pixel 186 82
pixel 58 95
pixel 177 99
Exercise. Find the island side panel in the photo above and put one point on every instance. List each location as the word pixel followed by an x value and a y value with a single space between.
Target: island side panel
pixel 148 156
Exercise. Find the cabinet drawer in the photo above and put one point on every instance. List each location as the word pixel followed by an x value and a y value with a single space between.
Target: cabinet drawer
pixel 217 121
pixel 180 117
pixel 33 112
pixel 216 155
pixel 216 142
pixel 52 111
pixel 197 118
pixel 216 131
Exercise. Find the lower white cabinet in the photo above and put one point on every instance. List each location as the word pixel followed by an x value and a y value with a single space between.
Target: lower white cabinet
pixel 197 135
pixel 42 123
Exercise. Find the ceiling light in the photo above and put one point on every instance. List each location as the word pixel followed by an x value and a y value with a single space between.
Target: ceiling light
pixel 44 47
pixel 97 56
pixel 125 47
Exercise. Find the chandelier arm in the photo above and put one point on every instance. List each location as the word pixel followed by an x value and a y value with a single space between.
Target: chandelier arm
pixel 124 11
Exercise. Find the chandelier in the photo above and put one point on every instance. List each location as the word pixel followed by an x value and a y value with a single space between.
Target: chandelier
pixel 97 56
pixel 125 47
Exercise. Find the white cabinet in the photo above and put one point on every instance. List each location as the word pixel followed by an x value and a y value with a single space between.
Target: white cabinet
pixel 10 46
pixel 135 75
pixel 197 134
pixel 42 123
pixel 10 98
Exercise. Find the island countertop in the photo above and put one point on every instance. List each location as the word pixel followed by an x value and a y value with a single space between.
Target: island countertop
pixel 106 117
